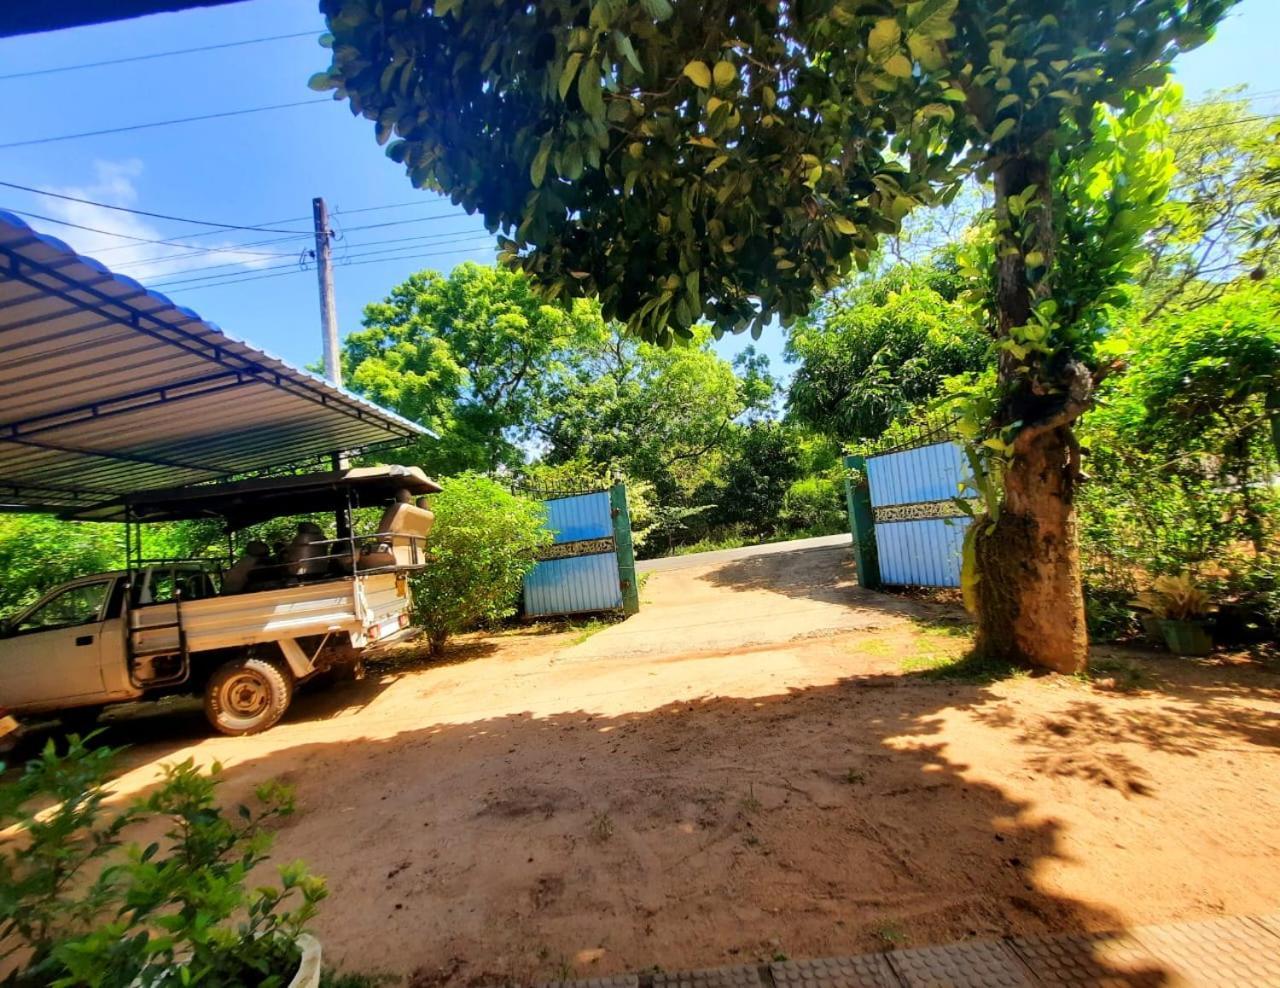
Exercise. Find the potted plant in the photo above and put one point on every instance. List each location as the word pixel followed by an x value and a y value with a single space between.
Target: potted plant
pixel 1181 608
pixel 79 905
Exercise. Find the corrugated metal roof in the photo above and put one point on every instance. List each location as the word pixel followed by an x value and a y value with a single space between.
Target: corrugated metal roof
pixel 108 388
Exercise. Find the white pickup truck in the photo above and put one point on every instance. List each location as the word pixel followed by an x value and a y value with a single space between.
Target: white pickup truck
pixel 243 636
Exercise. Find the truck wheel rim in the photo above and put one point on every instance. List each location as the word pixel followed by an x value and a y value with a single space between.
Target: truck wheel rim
pixel 245 695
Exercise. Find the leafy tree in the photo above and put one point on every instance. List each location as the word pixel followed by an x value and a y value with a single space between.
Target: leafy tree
pixel 723 161
pixel 1182 467
pixel 878 346
pixel 663 415
pixel 38 552
pixel 766 460
pixel 484 541
pixel 1216 227
pixel 469 356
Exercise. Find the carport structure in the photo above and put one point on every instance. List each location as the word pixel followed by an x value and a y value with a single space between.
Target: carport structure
pixel 109 389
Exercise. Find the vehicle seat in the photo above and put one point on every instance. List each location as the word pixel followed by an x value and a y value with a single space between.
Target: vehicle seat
pixel 304 558
pixel 236 578
pixel 403 530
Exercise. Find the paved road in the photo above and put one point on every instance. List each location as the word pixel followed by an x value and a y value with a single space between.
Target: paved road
pixel 746 552
pixel 744 598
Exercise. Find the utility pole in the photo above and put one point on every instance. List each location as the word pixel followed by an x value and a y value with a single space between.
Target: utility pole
pixel 328 320
pixel 328 307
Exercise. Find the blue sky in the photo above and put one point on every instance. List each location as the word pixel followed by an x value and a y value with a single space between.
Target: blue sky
pixel 264 169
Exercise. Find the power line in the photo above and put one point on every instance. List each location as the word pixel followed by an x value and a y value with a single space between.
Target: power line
pixel 158 54
pixel 141 240
pixel 197 250
pixel 163 284
pixel 450 236
pixel 352 264
pixel 1227 123
pixel 162 123
pixel 143 212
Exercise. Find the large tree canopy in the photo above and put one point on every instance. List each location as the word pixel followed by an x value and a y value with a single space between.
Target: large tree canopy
pixel 879 346
pixel 745 153
pixel 725 161
pixel 470 356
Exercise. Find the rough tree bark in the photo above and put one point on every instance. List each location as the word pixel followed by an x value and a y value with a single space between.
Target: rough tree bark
pixel 1029 596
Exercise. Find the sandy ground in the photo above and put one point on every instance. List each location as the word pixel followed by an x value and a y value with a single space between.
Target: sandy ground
pixel 764 768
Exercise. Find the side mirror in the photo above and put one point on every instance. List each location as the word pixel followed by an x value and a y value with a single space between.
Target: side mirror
pixel 6 627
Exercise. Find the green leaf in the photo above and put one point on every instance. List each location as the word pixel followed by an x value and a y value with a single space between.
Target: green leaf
pixel 898 66
pixel 1003 129
pixel 845 226
pixel 1035 259
pixel 884 36
pixel 657 9
pixel 933 18
pixel 570 70
pixel 590 91
pixel 725 73
pixel 538 168
pixel 628 50
pixel 442 7
pixel 698 74
pixel 321 82
pixel 1012 99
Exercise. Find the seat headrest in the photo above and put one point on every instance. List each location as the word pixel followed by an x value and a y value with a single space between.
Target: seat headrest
pixel 310 528
pixel 256 548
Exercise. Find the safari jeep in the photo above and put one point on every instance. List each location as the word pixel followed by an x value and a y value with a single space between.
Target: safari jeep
pixel 242 635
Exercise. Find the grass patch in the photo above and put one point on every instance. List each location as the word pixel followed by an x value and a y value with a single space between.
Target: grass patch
pixel 875 646
pixel 968 667
pixel 946 629
pixel 589 628
pixel 891 934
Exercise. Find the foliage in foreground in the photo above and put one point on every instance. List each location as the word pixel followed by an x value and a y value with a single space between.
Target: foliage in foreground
pixel 484 541
pixel 80 906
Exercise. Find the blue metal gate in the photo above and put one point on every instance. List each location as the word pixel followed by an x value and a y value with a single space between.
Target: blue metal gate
pixel 589 567
pixel 919 529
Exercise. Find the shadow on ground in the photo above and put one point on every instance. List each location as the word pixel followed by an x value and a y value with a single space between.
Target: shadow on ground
pixel 818 822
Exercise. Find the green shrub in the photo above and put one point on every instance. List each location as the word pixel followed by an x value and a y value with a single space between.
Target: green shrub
pixel 815 506
pixel 80 907
pixel 484 541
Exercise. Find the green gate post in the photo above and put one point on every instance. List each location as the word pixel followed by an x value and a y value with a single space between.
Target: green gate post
pixel 626 553
pixel 857 492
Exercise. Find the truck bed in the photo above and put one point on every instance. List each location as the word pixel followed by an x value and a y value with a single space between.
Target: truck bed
pixel 355 605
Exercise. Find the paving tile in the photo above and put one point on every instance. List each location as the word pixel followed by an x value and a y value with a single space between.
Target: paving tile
pixel 718 977
pixel 1270 922
pixel 867 971
pixel 979 964
pixel 616 981
pixel 1219 953
pixel 1091 960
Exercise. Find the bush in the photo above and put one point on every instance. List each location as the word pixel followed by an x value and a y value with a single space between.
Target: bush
pixel 484 541
pixel 80 907
pixel 815 506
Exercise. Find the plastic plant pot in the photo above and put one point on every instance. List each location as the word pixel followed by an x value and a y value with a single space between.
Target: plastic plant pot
pixel 1187 637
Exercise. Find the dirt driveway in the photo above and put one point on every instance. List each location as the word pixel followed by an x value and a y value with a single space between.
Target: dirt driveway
pixel 777 762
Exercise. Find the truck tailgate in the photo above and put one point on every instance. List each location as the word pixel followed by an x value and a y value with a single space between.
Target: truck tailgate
pixel 347 604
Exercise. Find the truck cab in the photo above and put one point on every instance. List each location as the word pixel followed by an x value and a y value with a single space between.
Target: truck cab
pixel 242 631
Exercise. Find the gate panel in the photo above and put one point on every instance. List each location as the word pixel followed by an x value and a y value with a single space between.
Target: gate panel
pixel 579 572
pixel 919 530
pixel 573 586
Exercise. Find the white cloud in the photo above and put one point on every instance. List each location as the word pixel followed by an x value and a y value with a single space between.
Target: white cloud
pixel 114 184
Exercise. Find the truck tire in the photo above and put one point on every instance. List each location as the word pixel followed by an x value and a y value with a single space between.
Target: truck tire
pixel 247 695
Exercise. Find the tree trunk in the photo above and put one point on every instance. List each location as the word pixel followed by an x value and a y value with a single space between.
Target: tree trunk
pixel 1030 602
